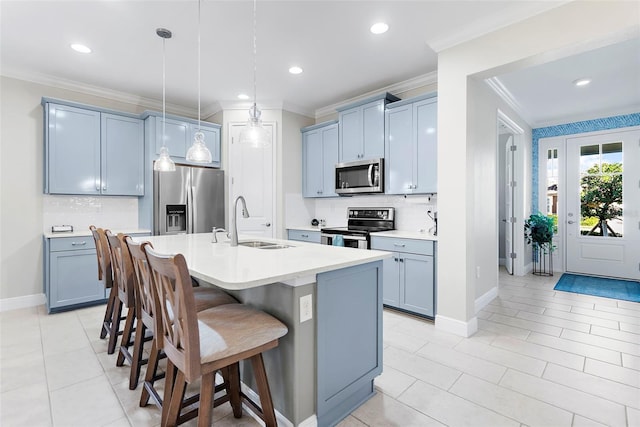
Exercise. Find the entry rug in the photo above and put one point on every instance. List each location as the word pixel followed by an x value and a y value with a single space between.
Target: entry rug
pixel 627 290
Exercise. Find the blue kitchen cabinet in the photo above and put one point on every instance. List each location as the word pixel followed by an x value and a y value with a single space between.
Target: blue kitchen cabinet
pixel 304 235
pixel 409 276
pixel 361 129
pixel 411 146
pixel 89 151
pixel 122 153
pixel 71 273
pixel 319 158
pixel 179 135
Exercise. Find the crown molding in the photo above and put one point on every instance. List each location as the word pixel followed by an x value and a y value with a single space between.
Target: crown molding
pixel 145 103
pixel 504 93
pixel 404 86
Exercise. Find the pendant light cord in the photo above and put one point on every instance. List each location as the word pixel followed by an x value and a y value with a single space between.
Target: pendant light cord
pixel 164 78
pixel 255 50
pixel 199 4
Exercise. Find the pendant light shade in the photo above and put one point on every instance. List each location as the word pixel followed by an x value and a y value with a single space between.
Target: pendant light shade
pixel 164 162
pixel 253 133
pixel 198 152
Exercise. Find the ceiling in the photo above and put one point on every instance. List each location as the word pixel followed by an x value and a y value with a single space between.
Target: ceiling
pixel 330 40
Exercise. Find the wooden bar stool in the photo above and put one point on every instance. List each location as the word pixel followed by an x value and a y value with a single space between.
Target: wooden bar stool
pixel 198 344
pixel 105 275
pixel 204 298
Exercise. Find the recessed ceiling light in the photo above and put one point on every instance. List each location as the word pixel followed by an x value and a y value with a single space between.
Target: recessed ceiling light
pixel 582 82
pixel 80 48
pixel 379 28
pixel 243 96
pixel 295 70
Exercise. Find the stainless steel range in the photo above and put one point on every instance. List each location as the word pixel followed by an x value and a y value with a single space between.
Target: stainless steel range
pixel 360 223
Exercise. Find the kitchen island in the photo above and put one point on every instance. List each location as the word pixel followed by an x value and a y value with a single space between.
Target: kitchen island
pixel 329 297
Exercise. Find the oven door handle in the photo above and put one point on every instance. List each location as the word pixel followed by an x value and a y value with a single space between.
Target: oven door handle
pixel 370 175
pixel 345 236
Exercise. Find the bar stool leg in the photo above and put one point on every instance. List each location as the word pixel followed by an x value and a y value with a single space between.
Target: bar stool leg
pixel 125 342
pixel 205 409
pixel 108 314
pixel 263 389
pixel 234 389
pixel 115 325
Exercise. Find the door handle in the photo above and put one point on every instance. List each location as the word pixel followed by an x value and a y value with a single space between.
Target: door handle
pixel 267 224
pixel 570 222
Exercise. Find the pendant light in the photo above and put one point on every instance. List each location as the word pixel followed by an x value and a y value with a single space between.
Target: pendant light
pixel 198 152
pixel 253 133
pixel 164 162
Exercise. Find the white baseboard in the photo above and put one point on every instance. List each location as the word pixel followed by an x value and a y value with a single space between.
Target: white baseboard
pixel 485 299
pixel 281 419
pixel 312 421
pixel 25 301
pixel 502 261
pixel 457 327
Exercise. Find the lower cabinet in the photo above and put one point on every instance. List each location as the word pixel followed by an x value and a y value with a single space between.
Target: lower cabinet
pixel 409 276
pixel 303 235
pixel 71 273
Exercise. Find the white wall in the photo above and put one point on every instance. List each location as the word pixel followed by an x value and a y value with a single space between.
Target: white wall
pixel 568 29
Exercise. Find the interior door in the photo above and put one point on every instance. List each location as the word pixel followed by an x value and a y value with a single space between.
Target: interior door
pixel 509 188
pixel 252 175
pixel 603 204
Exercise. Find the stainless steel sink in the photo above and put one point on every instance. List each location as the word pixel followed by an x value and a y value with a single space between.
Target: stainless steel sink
pixel 262 245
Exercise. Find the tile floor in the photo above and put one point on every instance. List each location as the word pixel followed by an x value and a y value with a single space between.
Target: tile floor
pixel 540 358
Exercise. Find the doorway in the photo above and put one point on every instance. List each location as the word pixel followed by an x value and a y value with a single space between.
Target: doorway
pixel 510 209
pixel 590 185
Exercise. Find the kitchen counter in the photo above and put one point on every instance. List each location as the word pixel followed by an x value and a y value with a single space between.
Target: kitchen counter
pixel 329 297
pixel 405 234
pixel 245 267
pixel 87 232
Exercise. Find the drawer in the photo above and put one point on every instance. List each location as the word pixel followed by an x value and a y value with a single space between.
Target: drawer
pixel 304 235
pixel 71 243
pixel 414 246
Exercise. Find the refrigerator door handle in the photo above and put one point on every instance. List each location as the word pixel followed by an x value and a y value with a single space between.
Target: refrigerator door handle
pixel 190 206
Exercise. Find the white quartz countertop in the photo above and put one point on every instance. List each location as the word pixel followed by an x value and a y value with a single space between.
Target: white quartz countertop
pixel 405 234
pixel 305 228
pixel 87 232
pixel 244 267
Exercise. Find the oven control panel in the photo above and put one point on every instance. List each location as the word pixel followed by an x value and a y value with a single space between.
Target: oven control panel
pixel 371 213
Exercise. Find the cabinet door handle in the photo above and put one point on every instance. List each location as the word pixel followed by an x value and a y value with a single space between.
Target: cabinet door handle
pixel 304 235
pixel 395 259
pixel 401 259
pixel 104 187
pixel 78 243
pixel 399 245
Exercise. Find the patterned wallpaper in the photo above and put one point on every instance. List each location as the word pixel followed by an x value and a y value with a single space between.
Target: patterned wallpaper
pixel 613 122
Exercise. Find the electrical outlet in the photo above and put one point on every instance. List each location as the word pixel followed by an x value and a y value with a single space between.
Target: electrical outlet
pixel 306 308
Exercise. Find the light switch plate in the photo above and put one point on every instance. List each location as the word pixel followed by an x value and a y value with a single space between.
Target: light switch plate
pixel 306 308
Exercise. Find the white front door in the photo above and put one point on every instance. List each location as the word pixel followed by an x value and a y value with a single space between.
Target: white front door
pixel 509 189
pixel 603 204
pixel 252 175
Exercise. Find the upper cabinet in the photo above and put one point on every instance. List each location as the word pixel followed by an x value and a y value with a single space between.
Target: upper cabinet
pixel 179 134
pixel 319 158
pixel 361 129
pixel 411 146
pixel 92 152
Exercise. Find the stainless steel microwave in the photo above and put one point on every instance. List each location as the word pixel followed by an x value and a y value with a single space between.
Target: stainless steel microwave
pixel 362 176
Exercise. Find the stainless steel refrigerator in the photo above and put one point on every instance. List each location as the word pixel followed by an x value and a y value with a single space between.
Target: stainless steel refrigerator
pixel 189 200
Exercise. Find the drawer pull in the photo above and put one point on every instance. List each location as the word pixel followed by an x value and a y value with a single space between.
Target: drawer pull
pixel 304 235
pixel 399 245
pixel 78 243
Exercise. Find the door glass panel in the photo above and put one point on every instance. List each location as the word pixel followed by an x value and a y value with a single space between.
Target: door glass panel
pixel 601 190
pixel 552 186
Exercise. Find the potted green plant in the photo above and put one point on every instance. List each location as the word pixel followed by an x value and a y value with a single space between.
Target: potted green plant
pixel 539 230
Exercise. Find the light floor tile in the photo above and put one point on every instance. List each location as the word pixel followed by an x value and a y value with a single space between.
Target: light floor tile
pixel 421 368
pixel 633 417
pixel 632 362
pixel 564 397
pixel 605 388
pixel 422 328
pixel 628 327
pixel 90 402
pixel 505 358
pixel 604 342
pixel 612 372
pixel 555 321
pixel 518 306
pixel 529 325
pixel 575 347
pixel 511 404
pixel 450 409
pixel 384 411
pixel 121 422
pixel 579 421
pixel 64 369
pixel 541 352
pixel 500 310
pixel 581 318
pixel 26 406
pixel 629 337
pixel 397 338
pixel 22 371
pixel 606 315
pixel 629 305
pixel 502 329
pixel 618 310
pixel 483 314
pixel 393 382
pixel 351 421
pixel 540 303
pixel 463 362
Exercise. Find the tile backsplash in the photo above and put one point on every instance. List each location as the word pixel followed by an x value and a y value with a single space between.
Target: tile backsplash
pixel 411 211
pixel 83 211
